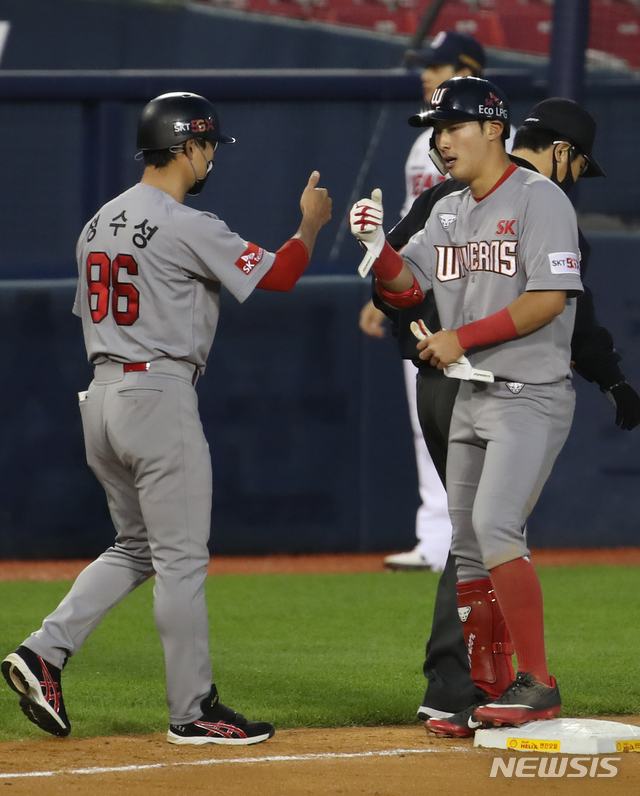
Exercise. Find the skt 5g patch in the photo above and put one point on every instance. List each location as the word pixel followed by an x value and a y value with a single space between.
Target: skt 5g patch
pixel 564 263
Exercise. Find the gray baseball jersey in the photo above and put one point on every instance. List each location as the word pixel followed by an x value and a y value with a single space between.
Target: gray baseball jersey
pixel 150 276
pixel 151 271
pixel 478 257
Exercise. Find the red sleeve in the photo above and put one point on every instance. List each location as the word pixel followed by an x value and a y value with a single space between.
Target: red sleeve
pixel 291 262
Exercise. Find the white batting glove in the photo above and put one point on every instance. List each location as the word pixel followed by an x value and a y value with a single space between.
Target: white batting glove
pixel 461 369
pixel 365 219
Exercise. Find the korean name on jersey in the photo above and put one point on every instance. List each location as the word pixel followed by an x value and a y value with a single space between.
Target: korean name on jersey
pixel 150 275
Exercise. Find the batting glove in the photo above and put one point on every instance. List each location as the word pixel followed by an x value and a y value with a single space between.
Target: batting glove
pixel 365 219
pixel 627 403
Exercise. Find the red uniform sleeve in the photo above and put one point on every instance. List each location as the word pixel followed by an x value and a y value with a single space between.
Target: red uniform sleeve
pixel 291 262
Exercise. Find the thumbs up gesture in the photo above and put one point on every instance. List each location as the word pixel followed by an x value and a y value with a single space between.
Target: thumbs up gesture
pixel 366 217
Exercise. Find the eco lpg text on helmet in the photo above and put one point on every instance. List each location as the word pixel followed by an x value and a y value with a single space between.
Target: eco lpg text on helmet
pixel 464 99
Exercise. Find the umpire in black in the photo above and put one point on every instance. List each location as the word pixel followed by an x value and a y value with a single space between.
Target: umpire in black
pixel 557 140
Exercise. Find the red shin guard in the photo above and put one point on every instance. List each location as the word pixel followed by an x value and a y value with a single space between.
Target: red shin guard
pixel 488 643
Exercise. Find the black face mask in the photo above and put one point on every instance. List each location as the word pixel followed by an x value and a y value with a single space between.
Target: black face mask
pixel 198 185
pixel 567 182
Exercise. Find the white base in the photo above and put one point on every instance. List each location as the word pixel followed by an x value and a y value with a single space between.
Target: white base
pixel 569 736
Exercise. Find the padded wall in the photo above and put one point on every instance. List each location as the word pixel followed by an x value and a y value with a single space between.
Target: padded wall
pixel 307 423
pixel 290 402
pixel 357 142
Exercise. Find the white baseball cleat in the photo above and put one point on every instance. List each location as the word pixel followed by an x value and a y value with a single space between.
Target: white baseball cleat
pixel 411 561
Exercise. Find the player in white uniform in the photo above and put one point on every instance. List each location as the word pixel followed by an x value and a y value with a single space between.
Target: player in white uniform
pixel 450 54
pixel 150 275
pixel 502 259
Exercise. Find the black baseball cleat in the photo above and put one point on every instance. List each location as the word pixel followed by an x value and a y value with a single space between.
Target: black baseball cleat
pixel 460 725
pixel 452 702
pixel 220 725
pixel 426 712
pixel 526 699
pixel 38 684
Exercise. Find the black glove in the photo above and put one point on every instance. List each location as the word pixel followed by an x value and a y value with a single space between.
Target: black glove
pixel 627 403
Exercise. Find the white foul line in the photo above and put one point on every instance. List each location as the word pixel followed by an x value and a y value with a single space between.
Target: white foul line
pixel 210 762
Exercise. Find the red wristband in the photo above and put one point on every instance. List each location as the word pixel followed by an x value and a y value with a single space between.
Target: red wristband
pixel 388 265
pixel 495 329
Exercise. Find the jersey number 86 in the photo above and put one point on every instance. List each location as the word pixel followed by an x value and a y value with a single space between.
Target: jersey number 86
pixel 105 288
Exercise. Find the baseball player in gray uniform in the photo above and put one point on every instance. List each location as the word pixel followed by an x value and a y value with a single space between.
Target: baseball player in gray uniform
pixel 150 275
pixel 502 259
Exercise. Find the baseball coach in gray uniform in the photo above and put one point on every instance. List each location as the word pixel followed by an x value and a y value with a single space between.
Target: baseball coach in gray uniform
pixel 502 259
pixel 150 276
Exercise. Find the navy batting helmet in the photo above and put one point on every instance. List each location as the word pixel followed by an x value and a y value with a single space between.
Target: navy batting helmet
pixel 174 118
pixel 465 99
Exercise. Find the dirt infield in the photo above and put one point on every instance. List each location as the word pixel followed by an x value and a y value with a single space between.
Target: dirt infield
pixel 380 761
pixel 343 562
pixel 385 761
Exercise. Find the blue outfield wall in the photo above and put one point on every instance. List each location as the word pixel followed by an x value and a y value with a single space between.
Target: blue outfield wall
pixel 126 34
pixel 592 498
pixel 290 402
pixel 307 424
pixel 286 126
pixel 295 396
pixel 298 96
pixel 351 125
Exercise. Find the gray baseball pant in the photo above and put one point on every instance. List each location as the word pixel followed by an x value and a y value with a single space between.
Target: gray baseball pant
pixel 502 447
pixel 145 443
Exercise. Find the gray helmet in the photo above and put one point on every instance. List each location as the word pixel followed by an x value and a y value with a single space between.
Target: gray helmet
pixel 174 118
pixel 465 99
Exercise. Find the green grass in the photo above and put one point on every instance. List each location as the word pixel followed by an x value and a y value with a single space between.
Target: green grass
pixel 322 650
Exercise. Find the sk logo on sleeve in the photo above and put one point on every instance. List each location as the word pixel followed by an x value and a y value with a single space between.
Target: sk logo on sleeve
pixel 248 260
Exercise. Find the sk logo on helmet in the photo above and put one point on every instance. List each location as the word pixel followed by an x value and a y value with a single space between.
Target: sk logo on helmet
pixel 193 126
pixel 438 96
